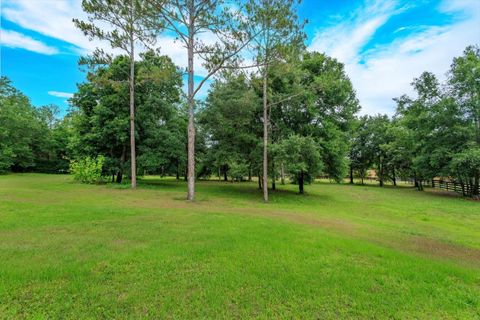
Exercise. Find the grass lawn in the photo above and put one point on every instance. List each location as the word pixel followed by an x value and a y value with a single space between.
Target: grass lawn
pixel 75 251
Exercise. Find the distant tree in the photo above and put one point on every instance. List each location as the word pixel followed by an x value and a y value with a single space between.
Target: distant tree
pixel 302 159
pixel 231 119
pixel 275 30
pixel 465 166
pixel 18 128
pixel 100 115
pixel 464 83
pixel 464 80
pixel 314 97
pixel 433 129
pixel 129 24
pixel 31 139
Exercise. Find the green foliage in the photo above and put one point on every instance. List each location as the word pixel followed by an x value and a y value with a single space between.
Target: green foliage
pixel 465 166
pixel 100 116
pixel 439 127
pixel 301 157
pixel 87 170
pixel 237 170
pixel 31 139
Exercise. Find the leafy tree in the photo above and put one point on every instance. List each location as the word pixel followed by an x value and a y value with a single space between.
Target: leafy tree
pixel 130 23
pixel 188 19
pixel 17 119
pixel 31 139
pixel 274 29
pixel 302 159
pixel 101 117
pixel 231 118
pixel 464 81
pixel 315 98
pixel 465 166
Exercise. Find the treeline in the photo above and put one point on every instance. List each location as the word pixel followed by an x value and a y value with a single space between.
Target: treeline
pixel 314 128
pixel 435 134
pixel 31 139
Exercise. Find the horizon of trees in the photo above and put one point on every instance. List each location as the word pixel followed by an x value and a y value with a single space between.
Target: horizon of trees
pixel 314 132
pixel 294 114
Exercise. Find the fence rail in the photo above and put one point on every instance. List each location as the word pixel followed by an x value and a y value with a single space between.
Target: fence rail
pixel 464 189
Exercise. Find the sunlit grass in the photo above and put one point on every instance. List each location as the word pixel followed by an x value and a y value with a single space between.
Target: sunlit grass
pixel 104 251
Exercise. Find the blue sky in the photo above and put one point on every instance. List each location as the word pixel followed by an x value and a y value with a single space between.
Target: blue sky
pixel 383 44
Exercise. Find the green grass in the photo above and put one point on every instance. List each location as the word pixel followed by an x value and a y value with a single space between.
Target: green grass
pixel 71 251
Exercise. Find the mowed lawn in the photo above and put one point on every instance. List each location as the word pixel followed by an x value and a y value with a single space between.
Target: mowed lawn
pixel 72 251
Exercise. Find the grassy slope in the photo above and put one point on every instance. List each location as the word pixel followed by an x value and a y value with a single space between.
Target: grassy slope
pixel 78 251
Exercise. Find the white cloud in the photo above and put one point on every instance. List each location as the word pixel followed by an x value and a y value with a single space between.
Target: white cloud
pixel 14 39
pixel 386 71
pixel 54 19
pixel 60 94
pixel 47 17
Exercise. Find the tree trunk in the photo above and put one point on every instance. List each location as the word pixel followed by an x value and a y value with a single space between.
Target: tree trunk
pixel 191 104
pixel 300 183
pixel 250 174
pixel 273 175
pixel 133 160
pixel 351 174
pixel 122 162
pixel 475 185
pixel 418 184
pixel 265 135
pixel 394 176
pixel 282 174
pixel 178 170
pixel 259 181
pixel 380 176
pixel 225 177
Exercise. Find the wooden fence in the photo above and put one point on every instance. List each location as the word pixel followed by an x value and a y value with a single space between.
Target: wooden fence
pixel 458 187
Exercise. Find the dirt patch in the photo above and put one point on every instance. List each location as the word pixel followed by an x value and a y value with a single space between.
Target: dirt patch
pixel 438 249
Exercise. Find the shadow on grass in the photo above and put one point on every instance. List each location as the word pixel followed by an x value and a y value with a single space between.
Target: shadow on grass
pixel 206 189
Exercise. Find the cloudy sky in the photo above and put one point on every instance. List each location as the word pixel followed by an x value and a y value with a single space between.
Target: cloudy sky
pixel 384 44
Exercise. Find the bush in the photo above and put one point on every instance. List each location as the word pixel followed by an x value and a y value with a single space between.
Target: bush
pixel 87 170
pixel 237 170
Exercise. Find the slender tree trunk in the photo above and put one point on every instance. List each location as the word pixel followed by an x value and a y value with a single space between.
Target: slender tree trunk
pixel 250 174
pixel 265 135
pixel 476 185
pixel 351 174
pixel 225 177
pixel 191 102
pixel 259 181
pixel 394 177
pixel 282 173
pixel 380 172
pixel 178 170
pixel 274 177
pixel 133 159
pixel 300 183
pixel 122 162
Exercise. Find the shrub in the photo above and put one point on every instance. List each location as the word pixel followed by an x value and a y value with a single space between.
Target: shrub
pixel 87 170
